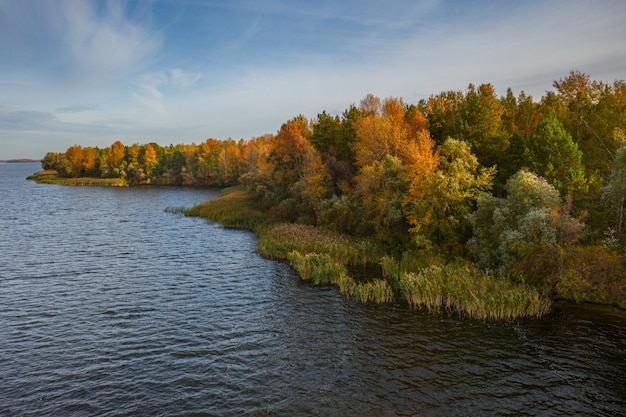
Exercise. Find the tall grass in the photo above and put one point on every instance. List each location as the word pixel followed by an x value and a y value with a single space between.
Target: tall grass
pixel 284 238
pixel 321 269
pixel 235 209
pixel 467 290
pixel 377 291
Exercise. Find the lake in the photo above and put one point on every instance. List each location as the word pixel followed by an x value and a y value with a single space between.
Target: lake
pixel 110 306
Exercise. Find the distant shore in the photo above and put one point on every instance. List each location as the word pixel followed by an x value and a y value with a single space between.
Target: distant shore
pixel 21 160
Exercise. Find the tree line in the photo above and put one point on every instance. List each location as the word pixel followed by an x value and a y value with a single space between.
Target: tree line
pixel 500 180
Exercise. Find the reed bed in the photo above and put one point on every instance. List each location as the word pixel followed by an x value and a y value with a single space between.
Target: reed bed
pixel 235 209
pixel 377 291
pixel 469 291
pixel 284 238
pixel 321 269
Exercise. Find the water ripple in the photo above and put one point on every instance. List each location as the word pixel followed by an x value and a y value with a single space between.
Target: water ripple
pixel 112 307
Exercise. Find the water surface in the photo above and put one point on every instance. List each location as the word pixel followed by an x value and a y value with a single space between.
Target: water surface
pixel 110 306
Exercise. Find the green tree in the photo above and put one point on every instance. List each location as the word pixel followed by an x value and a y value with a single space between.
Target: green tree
pixel 481 124
pixel 605 127
pixel 552 153
pixel 444 113
pixel 614 193
pixel 380 190
pixel 530 217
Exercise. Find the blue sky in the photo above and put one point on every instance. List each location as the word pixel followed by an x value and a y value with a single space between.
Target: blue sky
pixel 180 71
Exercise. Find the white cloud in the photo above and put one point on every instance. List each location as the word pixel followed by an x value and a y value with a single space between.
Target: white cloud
pixel 150 96
pixel 182 79
pixel 104 42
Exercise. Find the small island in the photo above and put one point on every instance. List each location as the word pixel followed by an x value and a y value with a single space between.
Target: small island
pixel 465 203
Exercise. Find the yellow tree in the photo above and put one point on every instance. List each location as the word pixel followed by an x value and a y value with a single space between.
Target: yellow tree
pixel 394 152
pixel 443 193
pixel 116 154
pixel 89 160
pixel 230 157
pixel 150 159
pixel 74 156
pixel 298 174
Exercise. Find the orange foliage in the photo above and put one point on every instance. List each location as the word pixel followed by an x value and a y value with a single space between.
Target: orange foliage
pixel 116 154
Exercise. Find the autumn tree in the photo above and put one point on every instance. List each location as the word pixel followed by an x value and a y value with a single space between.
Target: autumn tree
pixel 298 177
pixel 89 162
pixel 74 156
pixel 393 150
pixel 116 154
pixel 578 93
pixel 442 195
pixel 150 159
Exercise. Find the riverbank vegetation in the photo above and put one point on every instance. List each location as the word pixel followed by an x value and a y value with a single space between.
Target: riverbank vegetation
pixel 472 203
pixel 51 176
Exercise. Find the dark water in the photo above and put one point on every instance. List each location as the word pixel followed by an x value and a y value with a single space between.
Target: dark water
pixel 111 307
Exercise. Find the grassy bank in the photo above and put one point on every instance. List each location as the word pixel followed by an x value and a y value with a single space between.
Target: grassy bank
pixel 421 281
pixel 234 209
pixel 51 177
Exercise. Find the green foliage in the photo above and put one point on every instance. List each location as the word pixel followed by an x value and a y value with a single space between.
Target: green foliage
pixel 614 193
pixel 592 274
pixel 552 153
pixel 530 216
pixel 380 192
pixel 386 179
pixel 576 273
pixel 438 210
pixel 51 177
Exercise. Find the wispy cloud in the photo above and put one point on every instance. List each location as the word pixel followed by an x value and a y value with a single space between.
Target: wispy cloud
pixel 79 108
pixel 102 42
pixel 149 90
pixel 183 70
pixel 76 40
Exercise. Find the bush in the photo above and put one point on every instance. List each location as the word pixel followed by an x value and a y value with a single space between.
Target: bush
pixel 590 274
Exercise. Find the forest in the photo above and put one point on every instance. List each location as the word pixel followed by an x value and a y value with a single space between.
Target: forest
pixel 531 191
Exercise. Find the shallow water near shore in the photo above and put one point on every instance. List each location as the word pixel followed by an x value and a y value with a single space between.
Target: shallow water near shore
pixel 111 306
